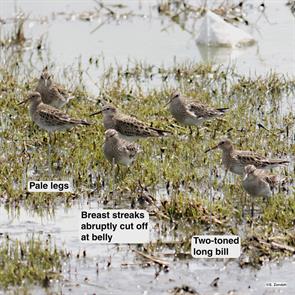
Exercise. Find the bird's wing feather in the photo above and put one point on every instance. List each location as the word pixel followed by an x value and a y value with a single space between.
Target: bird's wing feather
pixel 201 111
pixel 248 157
pixel 272 180
pixel 61 89
pixel 130 148
pixel 131 127
pixel 56 116
pixel 55 92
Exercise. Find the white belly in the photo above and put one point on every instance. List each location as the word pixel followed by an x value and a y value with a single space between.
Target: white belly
pixel 193 121
pixel 49 126
pixel 256 188
pixel 237 169
pixel 126 161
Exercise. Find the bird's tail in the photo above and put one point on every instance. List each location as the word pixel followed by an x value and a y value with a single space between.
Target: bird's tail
pixel 222 110
pixel 81 122
pixel 278 162
pixel 162 132
pixel 276 180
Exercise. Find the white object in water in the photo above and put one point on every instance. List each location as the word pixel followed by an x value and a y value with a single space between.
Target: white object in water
pixel 215 31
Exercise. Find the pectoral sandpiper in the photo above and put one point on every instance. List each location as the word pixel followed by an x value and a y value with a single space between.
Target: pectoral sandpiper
pixel 52 93
pixel 189 112
pixel 258 182
pixel 235 160
pixel 49 118
pixel 128 127
pixel 118 150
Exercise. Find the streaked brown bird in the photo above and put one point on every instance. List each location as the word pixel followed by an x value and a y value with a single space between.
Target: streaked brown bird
pixel 258 182
pixel 50 118
pixel 52 93
pixel 128 127
pixel 236 160
pixel 119 151
pixel 191 112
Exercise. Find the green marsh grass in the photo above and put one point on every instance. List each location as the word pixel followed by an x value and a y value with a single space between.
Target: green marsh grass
pixel 189 179
pixel 30 261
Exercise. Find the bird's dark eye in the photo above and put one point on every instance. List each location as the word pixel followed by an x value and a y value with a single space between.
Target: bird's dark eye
pixel 42 77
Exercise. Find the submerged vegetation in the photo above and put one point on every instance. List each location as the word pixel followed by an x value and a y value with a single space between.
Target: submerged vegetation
pixel 30 261
pixel 181 165
pixel 173 179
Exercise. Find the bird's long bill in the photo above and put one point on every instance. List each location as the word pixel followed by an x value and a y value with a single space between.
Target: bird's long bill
pixel 168 102
pixel 210 149
pixel 96 113
pixel 46 82
pixel 245 176
pixel 24 101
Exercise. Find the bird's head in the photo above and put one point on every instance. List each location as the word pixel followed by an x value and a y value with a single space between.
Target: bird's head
pixel 45 78
pixel 249 171
pixel 107 110
pixel 225 145
pixel 33 97
pixel 172 97
pixel 110 133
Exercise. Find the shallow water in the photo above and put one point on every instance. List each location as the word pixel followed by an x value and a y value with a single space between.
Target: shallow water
pixel 149 37
pixel 128 276
pixel 155 40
